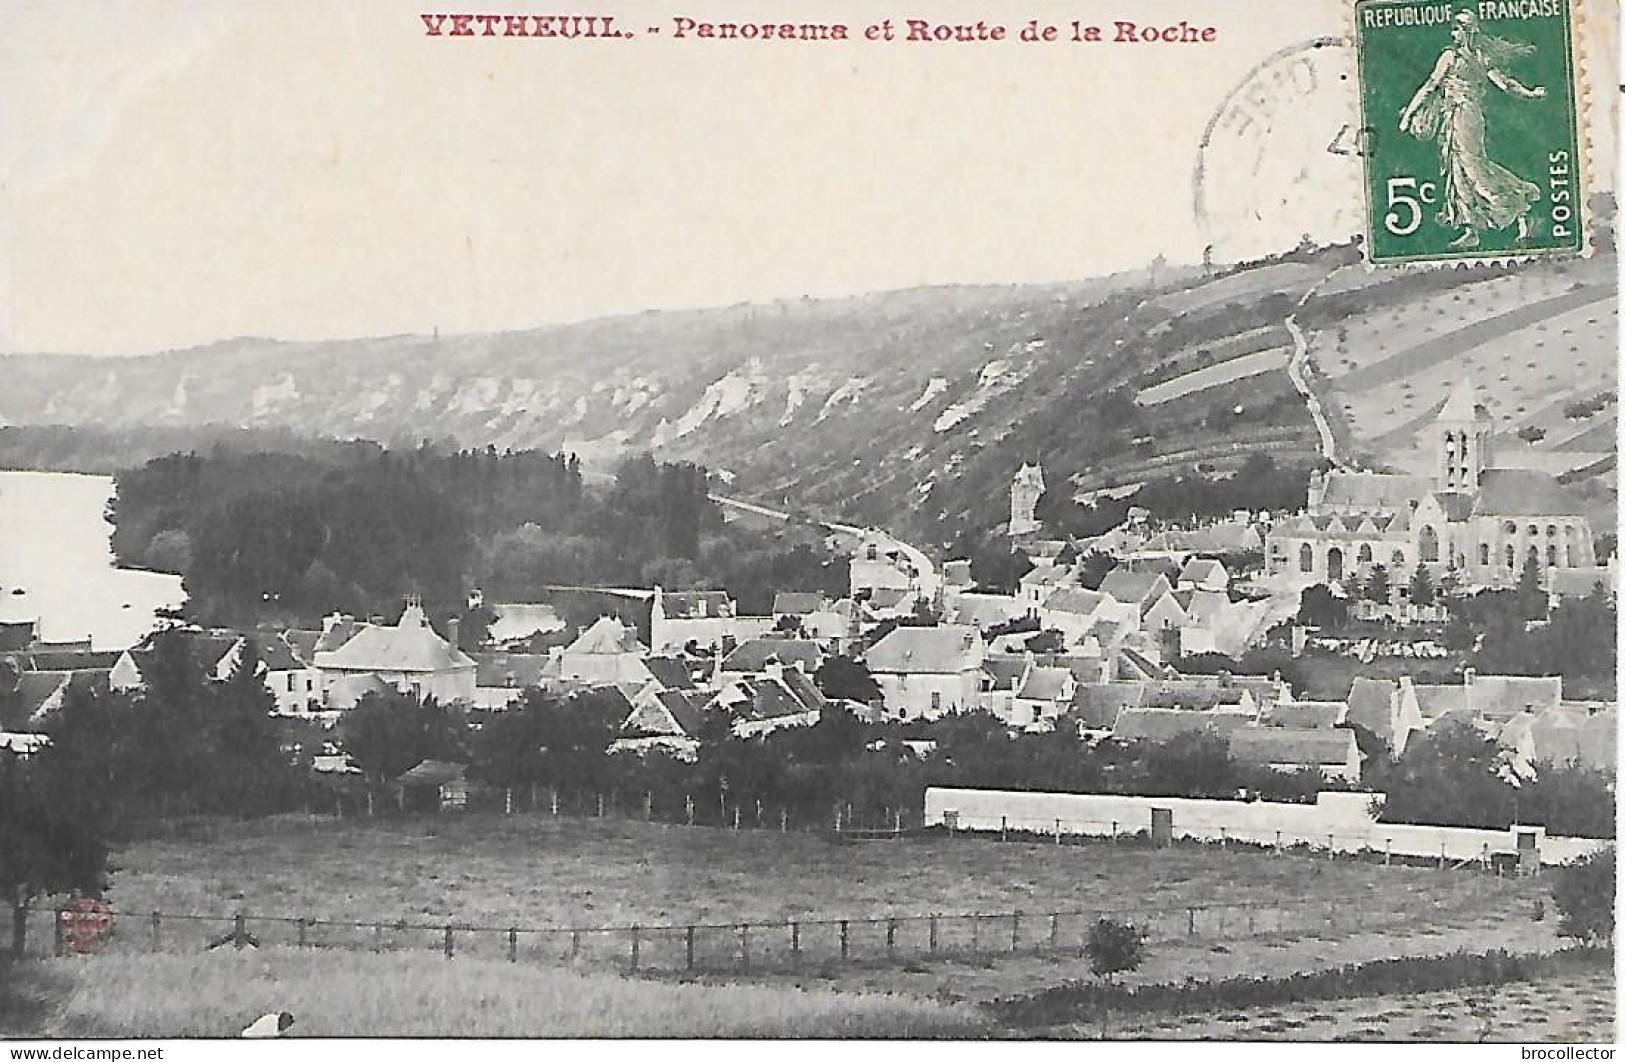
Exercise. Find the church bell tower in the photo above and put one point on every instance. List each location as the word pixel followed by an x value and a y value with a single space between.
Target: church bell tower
pixel 1463 430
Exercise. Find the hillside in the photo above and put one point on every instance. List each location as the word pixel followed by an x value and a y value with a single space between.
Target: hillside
pixel 913 408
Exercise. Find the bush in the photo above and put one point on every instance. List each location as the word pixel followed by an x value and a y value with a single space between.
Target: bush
pixel 1114 947
pixel 1584 894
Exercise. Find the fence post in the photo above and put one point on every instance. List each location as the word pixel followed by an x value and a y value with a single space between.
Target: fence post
pixel 1057 831
pixel 1055 929
pixel 1387 851
pixel 157 936
pixel 369 803
pixel 378 937
pixel 448 942
pixel 1224 837
pixel 784 820
pixel 1004 827
pixel 1114 831
pixel 736 816
pixel 758 813
pixel 1441 854
pixel 891 938
pixel 553 800
pixel 795 941
pixel 648 805
pixel 601 809
pixel 513 945
pixel 1190 921
pixel 1331 846
pixel 635 943
pixel 575 944
pixel 844 948
pixel 688 947
pixel 507 800
pixel 1015 931
pixel 837 818
pixel 688 808
pixel 1277 842
pixel 933 943
pixel 744 946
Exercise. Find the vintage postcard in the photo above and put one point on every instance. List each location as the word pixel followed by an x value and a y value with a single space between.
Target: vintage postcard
pixel 966 521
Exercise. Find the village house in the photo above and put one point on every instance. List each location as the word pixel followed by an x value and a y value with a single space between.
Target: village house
pixel 409 657
pixel 500 679
pixel 1097 705
pixel 1208 575
pixel 1044 696
pixel 927 672
pixel 814 616
pixel 1003 674
pixel 781 696
pixel 701 618
pixel 982 611
pixel 1569 583
pixel 666 720
pixel 1041 582
pixel 1331 750
pixel 1386 708
pixel 607 653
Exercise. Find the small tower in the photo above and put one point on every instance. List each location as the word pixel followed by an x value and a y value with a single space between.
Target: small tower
pixel 1025 490
pixel 1463 432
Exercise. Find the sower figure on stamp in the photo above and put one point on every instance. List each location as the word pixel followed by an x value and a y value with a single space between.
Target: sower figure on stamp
pixel 1479 194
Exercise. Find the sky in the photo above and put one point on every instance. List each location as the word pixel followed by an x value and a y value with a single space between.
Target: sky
pixel 183 171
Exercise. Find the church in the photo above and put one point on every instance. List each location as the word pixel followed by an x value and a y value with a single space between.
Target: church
pixel 1474 523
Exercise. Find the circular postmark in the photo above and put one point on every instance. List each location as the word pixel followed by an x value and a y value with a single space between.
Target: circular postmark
pixel 1279 160
pixel 85 923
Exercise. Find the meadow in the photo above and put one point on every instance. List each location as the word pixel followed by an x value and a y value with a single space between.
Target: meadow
pixel 418 994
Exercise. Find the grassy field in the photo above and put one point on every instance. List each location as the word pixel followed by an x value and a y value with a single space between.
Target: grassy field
pixel 1573 1008
pixel 347 994
pixel 535 870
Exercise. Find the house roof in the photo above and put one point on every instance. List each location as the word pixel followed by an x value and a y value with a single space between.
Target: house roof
pixel 757 653
pixel 1306 748
pixel 303 644
pixel 1508 694
pixel 1190 695
pixel 412 646
pixel 1206 607
pixel 1373 490
pixel 671 672
pixel 434 772
pixel 1098 704
pixel 509 670
pixel 206 648
pixel 1006 671
pixel 686 708
pixel 1134 586
pixel 276 652
pixel 33 689
pixel 1522 492
pixel 925 650
pixel 64 660
pixel 1371 704
pixel 1305 715
pixel 696 604
pixel 1046 684
pixel 1462 405
pixel 1074 599
pixel 1046 575
pixel 798 603
pixel 1160 724
pixel 987 610
pixel 1144 666
pixel 607 636
pixel 1197 570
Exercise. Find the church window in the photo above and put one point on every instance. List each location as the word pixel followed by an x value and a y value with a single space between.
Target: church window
pixel 1429 542
pixel 1533 530
pixel 1512 557
pixel 1551 556
pixel 1306 558
pixel 1569 555
pixel 1510 528
pixel 1484 553
pixel 1551 530
pixel 1365 553
pixel 1398 559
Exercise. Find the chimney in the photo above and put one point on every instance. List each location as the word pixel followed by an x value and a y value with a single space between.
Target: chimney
pixel 1468 674
pixel 452 630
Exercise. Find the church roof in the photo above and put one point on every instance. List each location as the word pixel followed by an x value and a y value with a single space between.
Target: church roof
pixel 1373 490
pixel 1462 405
pixel 1522 492
pixel 1457 507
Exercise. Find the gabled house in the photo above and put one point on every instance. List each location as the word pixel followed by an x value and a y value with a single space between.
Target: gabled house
pixel 1199 574
pixel 500 679
pixel 1043 698
pixel 699 617
pixel 606 653
pixel 206 650
pixel 780 697
pixel 409 657
pixel 1140 587
pixel 1331 750
pixel 1003 675
pixel 1146 723
pixel 758 654
pixel 983 611
pixel 664 720
pixel 1097 705
pixel 1387 708
pixel 927 672
pixel 815 616
pixel 292 679
pixel 1044 579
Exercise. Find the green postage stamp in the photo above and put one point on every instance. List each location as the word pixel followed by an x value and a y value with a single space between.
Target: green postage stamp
pixel 1470 114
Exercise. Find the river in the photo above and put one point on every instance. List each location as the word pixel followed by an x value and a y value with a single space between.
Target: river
pixel 55 548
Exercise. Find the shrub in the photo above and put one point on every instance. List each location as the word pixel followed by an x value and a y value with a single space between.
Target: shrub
pixel 1114 947
pixel 1584 894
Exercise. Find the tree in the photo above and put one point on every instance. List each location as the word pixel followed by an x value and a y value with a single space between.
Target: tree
pixel 245 758
pixel 1319 607
pixel 1094 568
pixel 1584 894
pixel 1114 947
pixel 1423 593
pixel 1531 598
pixel 53 834
pixel 1378 585
pixel 388 733
pixel 844 678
